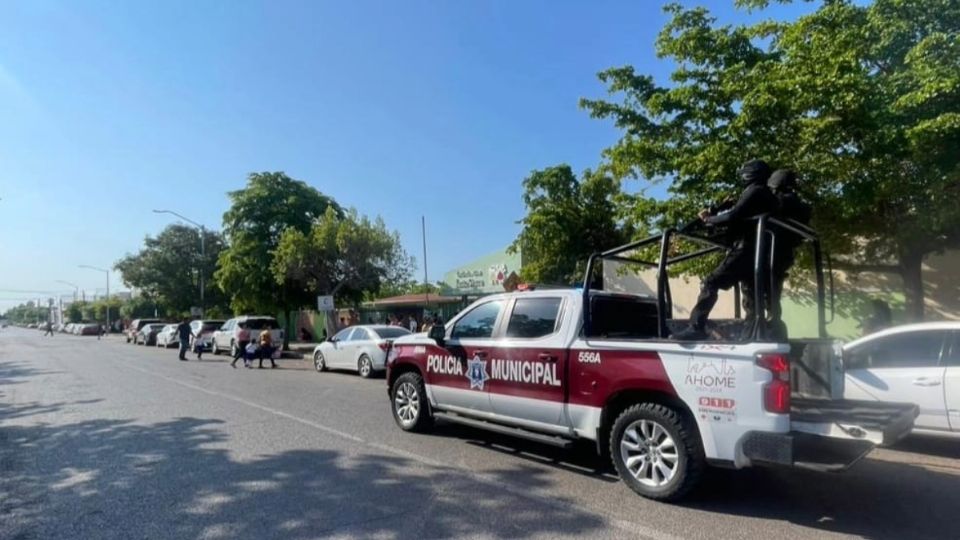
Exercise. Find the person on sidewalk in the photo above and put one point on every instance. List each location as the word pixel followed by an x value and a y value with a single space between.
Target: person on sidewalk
pixel 183 332
pixel 266 348
pixel 243 339
pixel 48 329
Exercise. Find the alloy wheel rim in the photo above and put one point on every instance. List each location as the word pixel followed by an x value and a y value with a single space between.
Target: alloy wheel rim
pixel 649 453
pixel 406 402
pixel 364 366
pixel 318 361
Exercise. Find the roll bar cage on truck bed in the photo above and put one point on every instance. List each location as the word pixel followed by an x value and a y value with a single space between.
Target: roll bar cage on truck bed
pixel 766 231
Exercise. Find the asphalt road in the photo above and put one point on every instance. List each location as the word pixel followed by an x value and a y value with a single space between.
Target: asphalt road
pixel 99 439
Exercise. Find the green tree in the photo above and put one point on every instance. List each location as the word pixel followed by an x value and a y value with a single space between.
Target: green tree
pixel 566 220
pixel 74 311
pixel 347 256
pixel 270 204
pixel 169 266
pixel 862 99
pixel 141 306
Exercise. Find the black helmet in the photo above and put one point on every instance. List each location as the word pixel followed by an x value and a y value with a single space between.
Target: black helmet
pixel 755 171
pixel 782 180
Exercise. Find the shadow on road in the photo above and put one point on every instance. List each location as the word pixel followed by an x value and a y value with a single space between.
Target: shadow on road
pixel 875 499
pixel 174 479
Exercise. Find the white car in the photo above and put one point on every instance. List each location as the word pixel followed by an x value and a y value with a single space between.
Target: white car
pixel 167 337
pixel 225 338
pixel 915 363
pixel 360 348
pixel 202 331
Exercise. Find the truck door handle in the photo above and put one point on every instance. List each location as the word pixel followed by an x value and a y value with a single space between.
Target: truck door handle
pixel 923 381
pixel 547 357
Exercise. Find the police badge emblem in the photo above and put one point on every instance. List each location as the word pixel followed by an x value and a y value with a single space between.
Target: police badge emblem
pixel 477 372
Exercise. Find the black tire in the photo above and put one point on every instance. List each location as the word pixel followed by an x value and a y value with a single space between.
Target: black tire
pixel 365 366
pixel 233 348
pixel 319 362
pixel 407 389
pixel 214 350
pixel 688 460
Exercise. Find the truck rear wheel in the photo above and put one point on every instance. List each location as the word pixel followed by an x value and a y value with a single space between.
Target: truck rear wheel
pixel 656 451
pixel 409 403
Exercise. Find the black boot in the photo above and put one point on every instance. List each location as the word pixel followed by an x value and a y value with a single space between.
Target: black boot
pixel 689 334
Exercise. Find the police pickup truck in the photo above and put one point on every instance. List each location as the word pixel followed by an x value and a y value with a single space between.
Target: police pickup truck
pixel 557 366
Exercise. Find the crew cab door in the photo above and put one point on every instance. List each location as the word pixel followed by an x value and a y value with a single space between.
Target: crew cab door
pixel 904 367
pixel 951 384
pixel 458 372
pixel 528 366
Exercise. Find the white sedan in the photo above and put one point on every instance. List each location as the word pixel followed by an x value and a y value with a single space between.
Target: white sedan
pixel 915 363
pixel 358 348
pixel 167 337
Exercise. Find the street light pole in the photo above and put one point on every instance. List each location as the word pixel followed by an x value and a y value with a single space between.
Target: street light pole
pixel 60 298
pixel 74 285
pixel 203 253
pixel 106 273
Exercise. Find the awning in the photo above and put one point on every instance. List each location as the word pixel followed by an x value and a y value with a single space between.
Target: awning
pixel 405 300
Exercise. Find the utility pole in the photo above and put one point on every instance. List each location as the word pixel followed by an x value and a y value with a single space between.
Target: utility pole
pixel 203 253
pixel 426 286
pixel 107 274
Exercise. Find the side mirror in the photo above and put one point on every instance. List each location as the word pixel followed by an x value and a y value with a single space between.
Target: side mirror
pixel 438 333
pixel 332 339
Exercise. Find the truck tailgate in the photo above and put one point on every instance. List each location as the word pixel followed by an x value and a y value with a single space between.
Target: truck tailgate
pixel 831 435
pixel 879 423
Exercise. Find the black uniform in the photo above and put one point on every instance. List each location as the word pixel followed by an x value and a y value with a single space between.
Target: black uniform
pixel 789 207
pixel 737 266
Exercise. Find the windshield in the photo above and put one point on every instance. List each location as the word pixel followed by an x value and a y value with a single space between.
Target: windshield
pixel 261 324
pixel 392 332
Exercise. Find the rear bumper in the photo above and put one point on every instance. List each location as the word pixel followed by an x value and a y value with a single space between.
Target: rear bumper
pixel 797 449
pixel 831 435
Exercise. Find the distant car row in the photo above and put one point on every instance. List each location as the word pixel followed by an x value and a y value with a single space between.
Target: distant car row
pixel 212 335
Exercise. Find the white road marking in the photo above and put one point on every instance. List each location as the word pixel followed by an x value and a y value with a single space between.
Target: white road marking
pixel 483 478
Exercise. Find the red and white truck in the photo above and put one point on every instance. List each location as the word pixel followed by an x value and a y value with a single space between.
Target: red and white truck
pixel 561 365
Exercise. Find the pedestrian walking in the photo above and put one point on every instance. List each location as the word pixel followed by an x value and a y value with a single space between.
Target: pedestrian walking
pixel 266 348
pixel 48 329
pixel 243 339
pixel 183 332
pixel 412 325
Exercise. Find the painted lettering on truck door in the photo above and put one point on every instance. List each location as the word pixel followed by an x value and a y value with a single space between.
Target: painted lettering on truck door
pixel 527 369
pixel 457 372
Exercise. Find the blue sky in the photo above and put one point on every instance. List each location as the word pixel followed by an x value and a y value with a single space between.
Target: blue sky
pixel 402 109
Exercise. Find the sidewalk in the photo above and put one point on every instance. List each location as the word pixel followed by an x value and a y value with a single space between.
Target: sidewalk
pixel 300 349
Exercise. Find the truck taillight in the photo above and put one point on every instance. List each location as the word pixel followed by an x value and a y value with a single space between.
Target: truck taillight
pixel 776 393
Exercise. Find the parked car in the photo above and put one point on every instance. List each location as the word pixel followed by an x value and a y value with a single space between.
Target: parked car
pixel 361 348
pixel 167 336
pixel 202 331
pixel 88 329
pixel 148 334
pixel 915 363
pixel 225 338
pixel 135 326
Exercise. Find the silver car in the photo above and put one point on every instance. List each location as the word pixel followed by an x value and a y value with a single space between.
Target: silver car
pixel 360 348
pixel 167 337
pixel 201 332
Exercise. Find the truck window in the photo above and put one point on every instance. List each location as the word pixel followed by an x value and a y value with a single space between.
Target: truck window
pixel 619 317
pixel 533 317
pixel 906 350
pixel 479 322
